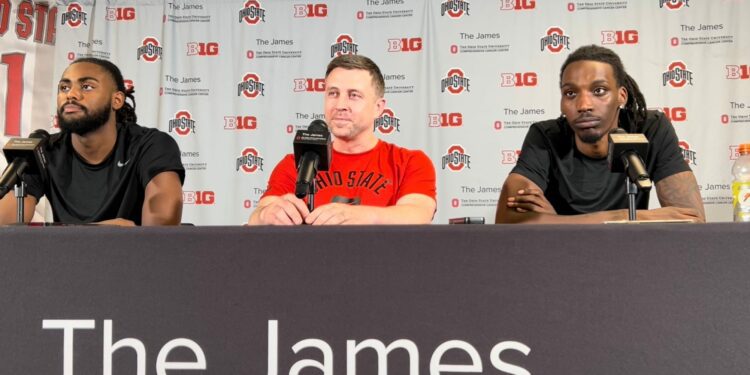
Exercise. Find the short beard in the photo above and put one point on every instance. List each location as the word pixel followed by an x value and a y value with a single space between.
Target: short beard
pixel 90 122
pixel 590 138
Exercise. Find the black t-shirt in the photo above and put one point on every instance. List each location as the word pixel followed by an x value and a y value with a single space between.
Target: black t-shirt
pixel 574 183
pixel 79 192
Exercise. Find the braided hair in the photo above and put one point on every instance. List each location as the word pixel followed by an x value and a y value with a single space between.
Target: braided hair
pixel 126 113
pixel 634 111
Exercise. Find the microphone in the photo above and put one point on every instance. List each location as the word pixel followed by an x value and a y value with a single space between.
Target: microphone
pixel 312 153
pixel 24 156
pixel 624 155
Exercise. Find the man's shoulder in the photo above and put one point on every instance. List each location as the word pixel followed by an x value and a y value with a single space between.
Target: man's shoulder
pixel 399 152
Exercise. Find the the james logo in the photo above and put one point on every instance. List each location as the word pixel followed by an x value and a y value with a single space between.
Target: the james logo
pixel 677 75
pixel 249 161
pixel 555 40
pixel 673 4
pixel 251 86
pixel 182 123
pixel 74 17
pixel 455 82
pixel 456 159
pixel 687 154
pixel 344 46
pixel 454 8
pixel 387 122
pixel 150 50
pixel 252 13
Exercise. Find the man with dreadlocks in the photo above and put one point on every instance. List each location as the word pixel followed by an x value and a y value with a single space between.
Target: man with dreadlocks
pixel 562 174
pixel 103 168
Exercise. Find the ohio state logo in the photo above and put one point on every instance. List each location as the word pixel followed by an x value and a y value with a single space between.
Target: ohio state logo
pixel 150 50
pixel 251 86
pixel 387 122
pixel 252 13
pixel 249 161
pixel 456 159
pixel 555 40
pixel 344 46
pixel 455 82
pixel 75 16
pixel 182 123
pixel 454 8
pixel 673 4
pixel 677 75
pixel 689 155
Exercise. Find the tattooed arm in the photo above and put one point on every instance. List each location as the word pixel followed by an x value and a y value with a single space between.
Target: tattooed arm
pixel 681 190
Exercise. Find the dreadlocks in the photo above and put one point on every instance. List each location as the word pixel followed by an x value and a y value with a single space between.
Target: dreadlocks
pixel 634 111
pixel 126 113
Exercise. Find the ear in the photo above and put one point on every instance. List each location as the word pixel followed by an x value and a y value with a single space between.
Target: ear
pixel 118 100
pixel 380 106
pixel 622 96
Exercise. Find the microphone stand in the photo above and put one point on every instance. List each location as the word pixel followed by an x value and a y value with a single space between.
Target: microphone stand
pixel 20 193
pixel 311 195
pixel 632 190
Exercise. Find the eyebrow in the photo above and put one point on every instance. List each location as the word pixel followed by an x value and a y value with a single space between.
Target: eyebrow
pixel 82 79
pixel 597 82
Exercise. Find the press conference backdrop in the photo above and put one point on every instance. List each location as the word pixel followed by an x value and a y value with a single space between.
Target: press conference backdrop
pixel 232 81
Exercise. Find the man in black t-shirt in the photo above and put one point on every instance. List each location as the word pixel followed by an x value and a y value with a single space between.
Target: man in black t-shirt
pixel 103 168
pixel 562 175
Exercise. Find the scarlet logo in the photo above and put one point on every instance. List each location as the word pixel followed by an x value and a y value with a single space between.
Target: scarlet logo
pixel 528 79
pixel 675 114
pixel 620 37
pixel 509 156
pixel 150 50
pixel 455 82
pixel 249 161
pixel 677 75
pixel 687 154
pixel 673 4
pixel 75 16
pixel 555 40
pixel 454 8
pixel 251 86
pixel 252 13
pixel 445 119
pixel 738 72
pixel 240 122
pixel 202 49
pixel 310 10
pixel 182 123
pixel 199 197
pixel 517 4
pixel 387 122
pixel 456 159
pixel 344 46
pixel 405 45
pixel 119 14
pixel 309 85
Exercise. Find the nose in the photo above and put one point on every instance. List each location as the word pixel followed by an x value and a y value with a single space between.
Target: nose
pixel 73 93
pixel 584 103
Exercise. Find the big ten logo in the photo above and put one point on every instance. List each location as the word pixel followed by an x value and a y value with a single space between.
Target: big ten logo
pixel 252 13
pixel 673 4
pixel 517 4
pixel 738 72
pixel 455 82
pixel 405 45
pixel 74 16
pixel 509 156
pixel 675 114
pixel 555 40
pixel 119 14
pixel 182 123
pixel 677 75
pixel 249 160
pixel 309 85
pixel 454 8
pixel 388 122
pixel 620 37
pixel 199 197
pixel 251 86
pixel 527 79
pixel 310 10
pixel 734 152
pixel 456 158
pixel 32 18
pixel 150 49
pixel 203 49
pixel 689 155
pixel 453 119
pixel 240 122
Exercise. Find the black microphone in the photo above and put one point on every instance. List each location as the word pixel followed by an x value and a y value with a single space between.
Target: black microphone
pixel 24 156
pixel 312 153
pixel 625 150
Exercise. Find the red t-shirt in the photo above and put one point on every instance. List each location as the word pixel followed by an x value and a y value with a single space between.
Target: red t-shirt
pixel 378 177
